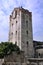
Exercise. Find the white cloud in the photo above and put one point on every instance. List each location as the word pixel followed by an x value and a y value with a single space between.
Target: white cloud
pixel 5 7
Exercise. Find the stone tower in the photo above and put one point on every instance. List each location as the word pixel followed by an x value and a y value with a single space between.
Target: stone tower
pixel 20 31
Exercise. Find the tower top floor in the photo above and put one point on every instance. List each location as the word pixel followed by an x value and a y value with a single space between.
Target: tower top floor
pixel 25 11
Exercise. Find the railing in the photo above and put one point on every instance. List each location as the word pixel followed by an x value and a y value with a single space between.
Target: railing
pixel 35 61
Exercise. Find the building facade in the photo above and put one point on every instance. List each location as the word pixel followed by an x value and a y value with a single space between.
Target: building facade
pixel 38 49
pixel 20 31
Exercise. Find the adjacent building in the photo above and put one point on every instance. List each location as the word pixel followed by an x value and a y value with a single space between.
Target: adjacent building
pixel 38 49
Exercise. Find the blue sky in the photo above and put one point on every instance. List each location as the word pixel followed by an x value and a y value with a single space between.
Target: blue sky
pixel 35 6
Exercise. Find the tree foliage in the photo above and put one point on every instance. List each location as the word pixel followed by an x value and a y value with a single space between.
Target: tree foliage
pixel 7 48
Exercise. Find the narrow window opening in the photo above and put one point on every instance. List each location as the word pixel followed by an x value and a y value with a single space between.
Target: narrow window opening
pixel 16 32
pixel 27 47
pixel 12 24
pixel 12 33
pixel 39 54
pixel 27 43
pixel 16 21
pixel 15 12
pixel 26 23
pixel 27 32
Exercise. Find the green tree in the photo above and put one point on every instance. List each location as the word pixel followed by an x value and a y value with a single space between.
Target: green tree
pixel 7 48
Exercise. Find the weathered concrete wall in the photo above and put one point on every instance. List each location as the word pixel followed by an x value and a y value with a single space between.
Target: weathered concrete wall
pixel 15 28
pixel 14 57
pixel 26 34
